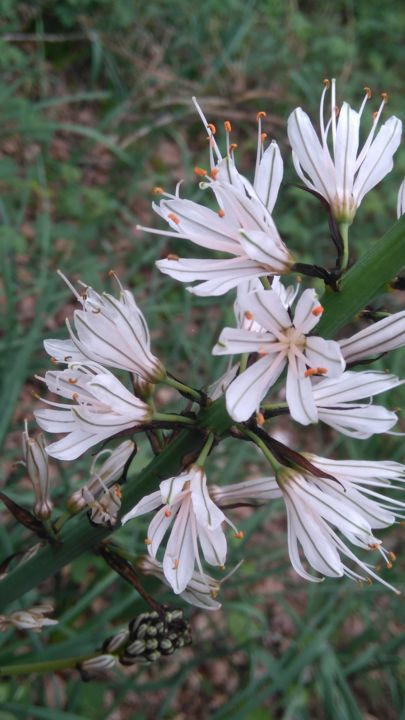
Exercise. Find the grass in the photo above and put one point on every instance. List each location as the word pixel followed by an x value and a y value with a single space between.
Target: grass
pixel 95 110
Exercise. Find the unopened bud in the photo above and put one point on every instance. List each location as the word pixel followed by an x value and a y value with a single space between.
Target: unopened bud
pixel 36 462
pixel 96 666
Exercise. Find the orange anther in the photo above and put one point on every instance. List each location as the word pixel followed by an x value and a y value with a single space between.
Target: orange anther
pixel 392 556
pixel 326 82
pixel 212 127
pixel 147 541
pixel 374 114
pixel 337 110
pixel 117 491
pixel 228 126
pixel 384 96
pixel 239 535
pixel 168 513
pixel 157 190
pixel 174 217
pixel 54 360
pixel 75 397
pixel 221 212
pixel 175 565
pixel 262 353
pixel 72 381
pixel 214 173
pixel 263 136
pixel 248 315
pixel 389 565
pixel 322 371
pixel 260 419
pixel 221 567
pixel 367 90
pixel 171 256
pixel 310 372
pixel 261 114
pixel 213 594
pixel 232 147
pixel 201 172
pixel 318 310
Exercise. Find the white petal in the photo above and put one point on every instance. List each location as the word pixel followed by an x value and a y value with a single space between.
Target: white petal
pixel 171 488
pixel 269 176
pixel 352 386
pixel 244 395
pixel 360 421
pixel 379 158
pixel 325 354
pixel 201 225
pixel 401 200
pixel 384 335
pixel 222 275
pixel 312 157
pixel 179 558
pixel 257 490
pixel 213 544
pixel 109 390
pixel 64 351
pixel 266 249
pixel 304 317
pixel 147 504
pixel 268 310
pixel 299 395
pixel 72 445
pixel 55 421
pixel 346 146
pixel 233 341
pixel 158 527
pixel 206 512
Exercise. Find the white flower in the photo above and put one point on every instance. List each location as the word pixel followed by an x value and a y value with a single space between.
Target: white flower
pixel 201 590
pixel 337 403
pixel 100 407
pixel 36 462
pixel 382 336
pixel 257 491
pixel 111 332
pixel 322 511
pixel 242 227
pixel 343 175
pixel 33 619
pixel 401 200
pixel 196 519
pixel 284 342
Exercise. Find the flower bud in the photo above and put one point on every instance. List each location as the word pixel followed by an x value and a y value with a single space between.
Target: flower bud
pixel 96 666
pixel 33 619
pixel 36 462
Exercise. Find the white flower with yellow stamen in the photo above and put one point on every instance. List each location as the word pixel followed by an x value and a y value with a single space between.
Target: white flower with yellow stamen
pixel 284 342
pixel 342 174
pixel 242 227
pixel 185 504
pixel 110 332
pixel 100 407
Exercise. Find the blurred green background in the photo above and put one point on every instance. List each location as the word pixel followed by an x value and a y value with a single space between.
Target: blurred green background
pixel 95 110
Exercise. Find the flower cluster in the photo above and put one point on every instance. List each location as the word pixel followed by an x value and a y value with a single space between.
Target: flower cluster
pixel 284 364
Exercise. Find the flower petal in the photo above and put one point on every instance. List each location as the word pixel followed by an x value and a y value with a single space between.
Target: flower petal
pixel 299 394
pixel 378 161
pixel 325 354
pixel 244 395
pixel 269 176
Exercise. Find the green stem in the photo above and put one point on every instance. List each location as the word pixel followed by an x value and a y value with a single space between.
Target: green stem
pixel 206 450
pixel 62 519
pixel 265 282
pixel 263 447
pixel 171 417
pixel 274 406
pixel 243 362
pixel 45 666
pixel 344 231
pixel 182 388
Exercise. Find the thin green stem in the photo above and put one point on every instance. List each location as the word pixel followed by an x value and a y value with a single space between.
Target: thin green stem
pixel 265 282
pixel 173 418
pixel 206 450
pixel 344 231
pixel 263 447
pixel 274 406
pixel 182 388
pixel 44 666
pixel 62 519
pixel 243 362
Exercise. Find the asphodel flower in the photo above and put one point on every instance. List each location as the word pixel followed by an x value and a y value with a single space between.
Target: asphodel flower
pixel 100 407
pixel 285 341
pixel 201 590
pixel 333 166
pixel 185 507
pixel 328 516
pixel 109 331
pixel 242 227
